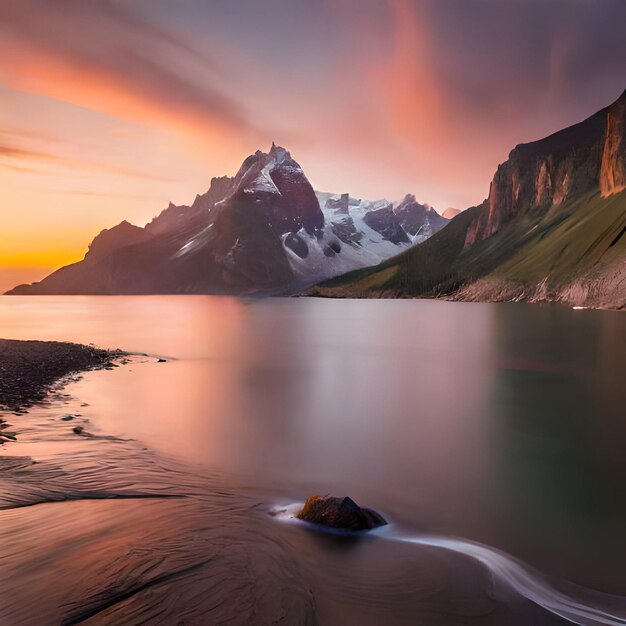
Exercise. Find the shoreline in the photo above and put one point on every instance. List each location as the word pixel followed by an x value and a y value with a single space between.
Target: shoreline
pixel 335 293
pixel 182 537
pixel 29 369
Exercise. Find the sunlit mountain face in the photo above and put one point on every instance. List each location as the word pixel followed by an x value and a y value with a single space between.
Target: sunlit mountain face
pixel 111 110
pixel 264 231
pixel 552 229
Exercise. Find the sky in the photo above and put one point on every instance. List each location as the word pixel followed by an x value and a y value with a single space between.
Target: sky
pixel 110 109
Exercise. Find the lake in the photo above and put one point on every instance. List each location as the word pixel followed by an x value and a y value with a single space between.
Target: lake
pixel 491 436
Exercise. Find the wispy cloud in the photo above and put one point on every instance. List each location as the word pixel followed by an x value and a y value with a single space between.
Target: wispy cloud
pixel 103 56
pixel 94 193
pixel 14 152
pixel 25 169
pixel 34 161
pixel 437 90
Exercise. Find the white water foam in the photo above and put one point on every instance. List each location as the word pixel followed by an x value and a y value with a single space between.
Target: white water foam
pixel 531 584
pixel 598 609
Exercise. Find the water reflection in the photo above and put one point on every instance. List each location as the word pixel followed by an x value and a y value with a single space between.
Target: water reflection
pixel 501 424
pixel 552 405
pixel 385 403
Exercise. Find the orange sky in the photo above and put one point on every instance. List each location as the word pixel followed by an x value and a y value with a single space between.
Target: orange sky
pixel 110 110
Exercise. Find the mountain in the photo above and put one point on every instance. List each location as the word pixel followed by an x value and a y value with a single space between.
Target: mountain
pixel 261 231
pixel 450 213
pixel 551 229
pixel 380 229
pixel 421 221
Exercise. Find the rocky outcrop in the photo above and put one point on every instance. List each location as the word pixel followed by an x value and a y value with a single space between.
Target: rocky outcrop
pixel 385 222
pixel 339 513
pixel 419 220
pixel 180 217
pixel 260 232
pixel 274 186
pixel 339 205
pixel 554 170
pixel 613 165
pixel 346 230
pixel 552 229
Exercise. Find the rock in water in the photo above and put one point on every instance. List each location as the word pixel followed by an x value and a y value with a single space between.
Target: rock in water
pixel 342 513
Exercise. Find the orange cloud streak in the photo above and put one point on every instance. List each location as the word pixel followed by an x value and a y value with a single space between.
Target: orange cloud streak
pixel 110 94
pixel 11 153
pixel 101 57
pixel 413 95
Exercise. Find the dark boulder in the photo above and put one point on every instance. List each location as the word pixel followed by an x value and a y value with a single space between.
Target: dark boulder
pixel 342 513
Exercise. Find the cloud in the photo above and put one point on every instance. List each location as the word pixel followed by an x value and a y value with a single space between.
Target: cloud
pixel 15 152
pixel 436 90
pixel 416 103
pixel 25 169
pixel 446 90
pixel 92 193
pixel 102 56
pixel 40 161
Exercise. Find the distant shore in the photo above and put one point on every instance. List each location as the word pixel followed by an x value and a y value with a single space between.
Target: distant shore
pixel 29 368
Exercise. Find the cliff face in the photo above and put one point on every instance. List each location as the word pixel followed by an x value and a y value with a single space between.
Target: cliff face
pixel 228 241
pixel 385 222
pixel 613 165
pixel 545 174
pixel 274 186
pixel 552 229
pixel 419 220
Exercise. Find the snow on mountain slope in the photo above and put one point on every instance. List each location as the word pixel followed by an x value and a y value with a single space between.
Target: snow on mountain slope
pixel 347 242
pixel 262 231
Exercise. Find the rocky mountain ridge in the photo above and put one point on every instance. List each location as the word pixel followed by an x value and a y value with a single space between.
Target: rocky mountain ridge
pixel 551 229
pixel 260 231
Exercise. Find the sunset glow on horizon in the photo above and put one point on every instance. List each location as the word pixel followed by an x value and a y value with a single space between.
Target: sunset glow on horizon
pixel 109 110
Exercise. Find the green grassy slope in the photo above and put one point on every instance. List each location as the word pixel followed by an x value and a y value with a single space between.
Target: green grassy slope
pixel 578 241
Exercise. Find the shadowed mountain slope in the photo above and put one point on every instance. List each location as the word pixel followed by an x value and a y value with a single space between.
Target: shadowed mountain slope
pixel 552 229
pixel 260 232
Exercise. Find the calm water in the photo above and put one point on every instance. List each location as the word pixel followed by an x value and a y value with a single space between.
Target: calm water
pixel 498 424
